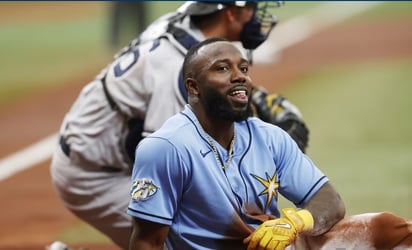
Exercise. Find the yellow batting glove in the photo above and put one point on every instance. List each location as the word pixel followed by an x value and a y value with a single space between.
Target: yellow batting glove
pixel 277 234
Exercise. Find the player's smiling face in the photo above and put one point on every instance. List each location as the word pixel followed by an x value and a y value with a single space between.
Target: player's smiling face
pixel 224 83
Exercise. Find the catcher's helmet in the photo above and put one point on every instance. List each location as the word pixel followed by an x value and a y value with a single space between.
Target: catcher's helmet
pixel 193 8
pixel 254 32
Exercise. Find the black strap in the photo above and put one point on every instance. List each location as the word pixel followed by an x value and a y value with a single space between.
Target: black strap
pixel 133 137
pixel 187 41
pixel 64 146
pixel 109 98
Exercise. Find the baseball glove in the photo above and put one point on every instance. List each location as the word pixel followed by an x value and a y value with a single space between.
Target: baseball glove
pixel 276 109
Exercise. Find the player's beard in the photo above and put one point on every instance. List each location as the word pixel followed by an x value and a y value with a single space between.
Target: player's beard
pixel 217 105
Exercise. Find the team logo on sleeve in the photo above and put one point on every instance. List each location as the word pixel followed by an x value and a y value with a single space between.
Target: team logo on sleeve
pixel 271 185
pixel 143 189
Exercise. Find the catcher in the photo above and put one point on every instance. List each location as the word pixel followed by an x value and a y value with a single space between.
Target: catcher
pixel 135 94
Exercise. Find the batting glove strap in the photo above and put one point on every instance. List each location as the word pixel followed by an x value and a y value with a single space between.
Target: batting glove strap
pixel 302 219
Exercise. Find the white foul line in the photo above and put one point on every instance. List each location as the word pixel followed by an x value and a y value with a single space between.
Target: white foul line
pixel 284 35
pixel 28 157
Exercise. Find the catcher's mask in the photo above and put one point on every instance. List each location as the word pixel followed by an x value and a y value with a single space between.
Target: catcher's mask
pixel 254 32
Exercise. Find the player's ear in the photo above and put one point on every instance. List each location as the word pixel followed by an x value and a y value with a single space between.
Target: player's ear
pixel 191 85
pixel 229 13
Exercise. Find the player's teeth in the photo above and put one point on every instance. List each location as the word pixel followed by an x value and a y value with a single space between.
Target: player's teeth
pixel 238 92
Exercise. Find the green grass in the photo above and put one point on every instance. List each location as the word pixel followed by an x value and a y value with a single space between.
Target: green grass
pixel 391 9
pixel 158 8
pixel 292 9
pixel 39 55
pixel 359 118
pixel 82 234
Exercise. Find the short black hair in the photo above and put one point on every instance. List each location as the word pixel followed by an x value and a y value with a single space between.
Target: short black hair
pixel 193 52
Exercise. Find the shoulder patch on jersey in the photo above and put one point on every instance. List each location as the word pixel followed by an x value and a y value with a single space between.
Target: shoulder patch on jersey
pixel 143 189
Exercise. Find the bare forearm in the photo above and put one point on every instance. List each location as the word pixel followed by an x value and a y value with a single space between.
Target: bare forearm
pixel 139 245
pixel 148 235
pixel 327 208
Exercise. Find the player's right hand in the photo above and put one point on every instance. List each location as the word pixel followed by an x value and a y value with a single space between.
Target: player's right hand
pixel 279 233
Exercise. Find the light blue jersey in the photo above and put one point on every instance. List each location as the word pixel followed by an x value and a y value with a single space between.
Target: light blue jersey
pixel 177 181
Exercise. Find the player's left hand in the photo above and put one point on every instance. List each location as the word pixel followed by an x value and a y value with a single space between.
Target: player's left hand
pixel 277 234
pixel 276 109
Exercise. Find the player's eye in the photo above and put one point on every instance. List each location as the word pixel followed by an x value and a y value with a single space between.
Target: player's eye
pixel 244 68
pixel 222 68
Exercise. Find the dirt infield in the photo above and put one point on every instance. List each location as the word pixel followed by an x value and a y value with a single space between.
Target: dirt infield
pixel 32 216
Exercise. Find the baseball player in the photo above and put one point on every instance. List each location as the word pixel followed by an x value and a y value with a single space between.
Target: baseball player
pixel 208 188
pixel 135 94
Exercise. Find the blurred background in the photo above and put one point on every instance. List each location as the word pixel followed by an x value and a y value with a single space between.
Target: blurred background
pixel 346 65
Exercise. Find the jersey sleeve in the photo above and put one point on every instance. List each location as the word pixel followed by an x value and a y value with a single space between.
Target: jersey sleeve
pixel 157 181
pixel 299 177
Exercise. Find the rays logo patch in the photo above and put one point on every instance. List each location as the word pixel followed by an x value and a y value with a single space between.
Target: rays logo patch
pixel 271 185
pixel 143 189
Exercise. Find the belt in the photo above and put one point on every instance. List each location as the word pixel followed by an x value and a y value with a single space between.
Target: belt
pixel 64 146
